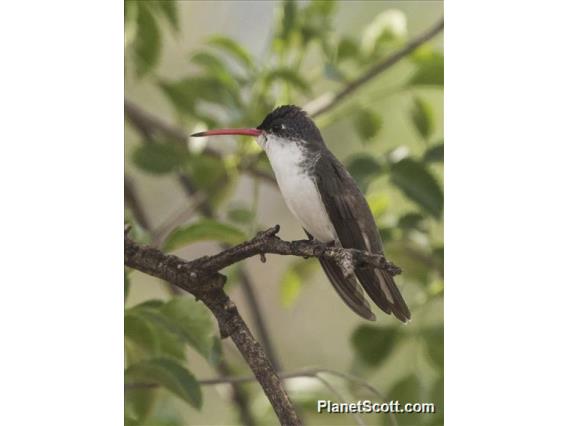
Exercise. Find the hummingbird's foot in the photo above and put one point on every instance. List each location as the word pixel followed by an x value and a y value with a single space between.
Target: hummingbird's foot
pixel 270 232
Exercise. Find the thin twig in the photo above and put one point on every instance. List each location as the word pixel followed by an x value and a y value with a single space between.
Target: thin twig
pixel 327 101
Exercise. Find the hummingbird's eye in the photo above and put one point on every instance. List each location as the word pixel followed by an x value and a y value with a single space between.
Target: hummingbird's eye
pixel 278 127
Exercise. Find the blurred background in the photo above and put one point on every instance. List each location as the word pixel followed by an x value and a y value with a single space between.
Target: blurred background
pixel 194 65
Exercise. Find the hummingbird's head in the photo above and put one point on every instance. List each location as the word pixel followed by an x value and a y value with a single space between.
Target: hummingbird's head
pixel 286 124
pixel 290 123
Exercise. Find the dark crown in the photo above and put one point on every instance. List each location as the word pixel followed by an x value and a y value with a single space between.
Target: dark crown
pixel 292 122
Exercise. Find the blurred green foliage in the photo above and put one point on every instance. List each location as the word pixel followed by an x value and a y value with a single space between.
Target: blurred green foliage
pixel 229 87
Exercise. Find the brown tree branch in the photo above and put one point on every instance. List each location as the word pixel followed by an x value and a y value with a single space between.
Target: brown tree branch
pixel 201 278
pixel 267 242
pixel 207 286
pixel 327 101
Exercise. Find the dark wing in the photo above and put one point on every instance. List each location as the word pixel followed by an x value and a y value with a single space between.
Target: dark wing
pixel 355 227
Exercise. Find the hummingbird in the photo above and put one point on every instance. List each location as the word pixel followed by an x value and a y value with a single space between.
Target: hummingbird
pixel 325 199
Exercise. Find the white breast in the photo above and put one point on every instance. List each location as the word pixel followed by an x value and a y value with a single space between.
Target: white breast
pixel 298 188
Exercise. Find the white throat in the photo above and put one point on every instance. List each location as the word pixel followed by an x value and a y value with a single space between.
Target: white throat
pixel 290 163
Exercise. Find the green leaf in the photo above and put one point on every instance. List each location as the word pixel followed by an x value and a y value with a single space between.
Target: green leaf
pixel 347 49
pixel 314 23
pixel 185 93
pixel 159 158
pixel 130 22
pixel 323 8
pixel 170 375
pixel 147 44
pixel 206 171
pixel 204 230
pixel 138 405
pixel 436 396
pixel 435 154
pixel 241 215
pixel 387 26
pixel 232 48
pixel 373 344
pixel 194 322
pixel 145 327
pixel 291 283
pixel 215 67
pixel 213 175
pixel 289 14
pixel 434 339
pixel 415 261
pixel 429 69
pixel 287 75
pixel 378 202
pixel 209 61
pixel 364 168
pixel 367 124
pixel 142 333
pixel 182 318
pixel 151 304
pixel 418 184
pixel 409 389
pixel 411 220
pixel 422 117
pixel 333 73
pixel 170 11
pixel 290 286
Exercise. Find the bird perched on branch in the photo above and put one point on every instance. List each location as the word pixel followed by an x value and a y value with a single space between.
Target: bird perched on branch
pixel 324 198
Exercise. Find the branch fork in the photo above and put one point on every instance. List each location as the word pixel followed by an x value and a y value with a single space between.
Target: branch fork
pixel 202 279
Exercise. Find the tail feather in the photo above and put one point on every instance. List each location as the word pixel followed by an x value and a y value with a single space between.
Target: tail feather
pixel 381 288
pixel 348 289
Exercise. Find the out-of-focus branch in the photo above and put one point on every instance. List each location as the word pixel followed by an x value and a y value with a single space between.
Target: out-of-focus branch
pixel 153 125
pixel 315 373
pixel 240 397
pixel 207 286
pixel 329 100
pixel 133 202
pixel 309 372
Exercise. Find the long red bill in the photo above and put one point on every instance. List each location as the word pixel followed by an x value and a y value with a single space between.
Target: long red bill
pixel 218 132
